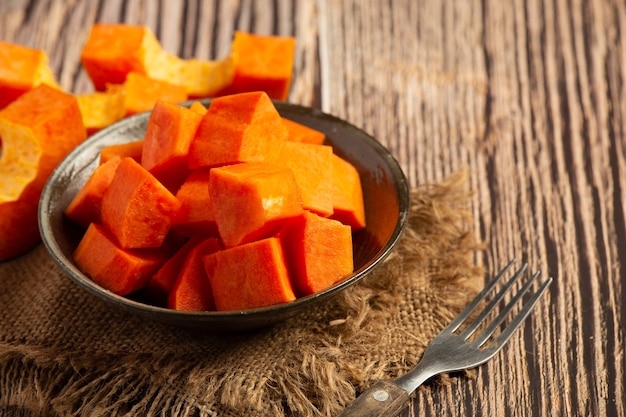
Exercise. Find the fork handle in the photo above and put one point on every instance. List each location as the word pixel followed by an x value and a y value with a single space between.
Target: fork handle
pixel 383 399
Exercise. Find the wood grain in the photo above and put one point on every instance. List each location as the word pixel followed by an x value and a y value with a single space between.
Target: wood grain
pixel 529 95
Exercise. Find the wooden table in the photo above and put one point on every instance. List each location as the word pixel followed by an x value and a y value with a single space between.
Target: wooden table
pixel 529 95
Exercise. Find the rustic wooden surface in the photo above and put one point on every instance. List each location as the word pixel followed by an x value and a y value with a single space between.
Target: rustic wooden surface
pixel 530 95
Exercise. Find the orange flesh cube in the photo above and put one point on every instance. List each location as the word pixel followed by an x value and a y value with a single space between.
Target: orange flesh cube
pixel 263 63
pixel 196 210
pixel 136 208
pixel 169 133
pixel 348 206
pixel 141 93
pixel 312 167
pixel 249 276
pixel 22 69
pixel 250 200
pixel 238 128
pixel 123 150
pixel 297 132
pixel 86 206
pixel 160 284
pixel 101 109
pixel 112 51
pixel 37 131
pixel 192 290
pixel 198 108
pixel 318 250
pixel 113 268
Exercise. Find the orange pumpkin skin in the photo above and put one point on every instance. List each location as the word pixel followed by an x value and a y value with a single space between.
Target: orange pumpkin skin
pixel 50 121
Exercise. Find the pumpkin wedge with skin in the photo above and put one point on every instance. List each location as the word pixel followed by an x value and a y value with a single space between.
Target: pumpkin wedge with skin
pixel 249 276
pixel 136 208
pixel 37 131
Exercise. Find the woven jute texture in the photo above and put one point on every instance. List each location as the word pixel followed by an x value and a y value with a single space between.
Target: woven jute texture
pixel 64 352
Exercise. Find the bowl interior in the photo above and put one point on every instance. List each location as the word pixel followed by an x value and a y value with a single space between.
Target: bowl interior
pixel 385 193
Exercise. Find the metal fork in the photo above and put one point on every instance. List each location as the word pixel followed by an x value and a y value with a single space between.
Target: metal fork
pixel 455 348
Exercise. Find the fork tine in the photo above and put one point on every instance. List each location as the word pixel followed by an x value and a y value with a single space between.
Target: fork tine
pixel 486 334
pixel 458 320
pixel 521 316
pixel 469 330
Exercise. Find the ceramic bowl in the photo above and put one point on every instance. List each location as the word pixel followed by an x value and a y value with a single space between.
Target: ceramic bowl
pixel 386 198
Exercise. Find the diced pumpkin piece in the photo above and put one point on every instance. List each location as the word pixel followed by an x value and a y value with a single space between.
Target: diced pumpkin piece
pixel 251 200
pixel 242 127
pixel 86 206
pixel 249 276
pixel 22 69
pixel 112 51
pixel 161 283
pixel 198 107
pixel 297 132
pixel 196 210
pixel 169 133
pixel 129 149
pixel 318 251
pixel 312 166
pixel 205 78
pixel 101 109
pixel 137 208
pixel 120 271
pixel 192 290
pixel 37 131
pixel 348 206
pixel 141 93
pixel 263 63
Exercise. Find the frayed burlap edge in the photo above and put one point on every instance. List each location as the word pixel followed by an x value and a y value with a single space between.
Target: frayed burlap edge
pixel 375 330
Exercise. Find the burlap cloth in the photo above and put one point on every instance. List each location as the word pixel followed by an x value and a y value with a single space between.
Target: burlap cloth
pixel 63 352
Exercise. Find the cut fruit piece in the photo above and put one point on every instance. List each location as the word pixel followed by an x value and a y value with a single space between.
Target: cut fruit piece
pixel 22 69
pixel 312 166
pixel 263 63
pixel 238 128
pixel 37 131
pixel 297 132
pixel 196 210
pixel 192 290
pixel 86 206
pixel 169 133
pixel 141 93
pixel 318 250
pixel 101 109
pixel 251 200
pixel 120 271
pixel 161 283
pixel 130 149
pixel 249 276
pixel 348 205
pixel 137 208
